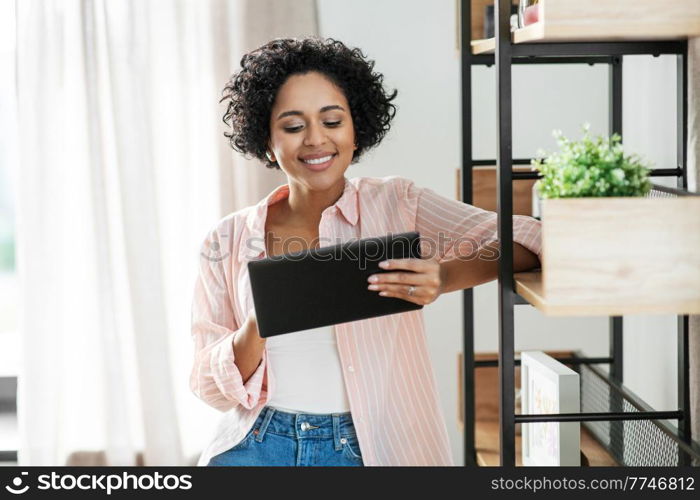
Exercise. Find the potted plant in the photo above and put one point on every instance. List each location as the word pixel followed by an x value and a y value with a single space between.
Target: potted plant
pixel 591 167
pixel 607 247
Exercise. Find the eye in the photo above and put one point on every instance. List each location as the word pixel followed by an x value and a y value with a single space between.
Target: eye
pixel 297 128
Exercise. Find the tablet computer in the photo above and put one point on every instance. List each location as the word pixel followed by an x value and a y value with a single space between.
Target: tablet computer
pixel 328 285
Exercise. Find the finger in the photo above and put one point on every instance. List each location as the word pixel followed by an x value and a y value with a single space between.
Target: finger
pixel 410 264
pixel 401 289
pixel 402 278
pixel 415 298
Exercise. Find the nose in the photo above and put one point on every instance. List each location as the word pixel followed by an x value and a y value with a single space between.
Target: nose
pixel 315 135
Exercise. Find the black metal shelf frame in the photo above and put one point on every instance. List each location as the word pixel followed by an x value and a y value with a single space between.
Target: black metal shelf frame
pixel 507 54
pixel 8 406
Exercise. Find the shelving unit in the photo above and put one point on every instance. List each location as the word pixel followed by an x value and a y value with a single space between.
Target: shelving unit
pixel 628 428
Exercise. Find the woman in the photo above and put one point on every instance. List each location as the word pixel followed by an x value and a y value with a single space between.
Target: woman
pixel 356 393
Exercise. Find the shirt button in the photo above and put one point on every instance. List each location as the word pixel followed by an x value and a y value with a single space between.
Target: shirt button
pixel 350 368
pixel 305 426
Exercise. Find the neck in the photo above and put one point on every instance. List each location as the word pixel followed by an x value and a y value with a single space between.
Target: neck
pixel 304 206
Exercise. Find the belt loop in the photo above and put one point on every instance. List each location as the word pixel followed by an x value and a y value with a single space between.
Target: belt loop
pixel 265 423
pixel 336 432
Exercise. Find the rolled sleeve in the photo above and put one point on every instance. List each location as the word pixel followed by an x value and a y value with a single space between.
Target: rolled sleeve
pixel 451 229
pixel 215 378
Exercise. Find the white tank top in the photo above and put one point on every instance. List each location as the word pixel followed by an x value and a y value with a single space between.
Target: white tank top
pixel 307 371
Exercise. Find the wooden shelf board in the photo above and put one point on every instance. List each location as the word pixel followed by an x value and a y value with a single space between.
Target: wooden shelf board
pixel 604 21
pixel 529 286
pixel 541 33
pixel 483 46
pixel 488 454
pixel 536 34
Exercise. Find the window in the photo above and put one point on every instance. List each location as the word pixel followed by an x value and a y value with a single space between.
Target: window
pixel 9 291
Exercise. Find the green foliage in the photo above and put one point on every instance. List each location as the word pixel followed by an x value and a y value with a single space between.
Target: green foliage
pixel 590 167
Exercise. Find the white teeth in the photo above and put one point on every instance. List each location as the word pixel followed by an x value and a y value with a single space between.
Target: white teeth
pixel 318 160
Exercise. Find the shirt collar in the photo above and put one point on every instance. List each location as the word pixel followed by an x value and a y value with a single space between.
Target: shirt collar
pixel 255 221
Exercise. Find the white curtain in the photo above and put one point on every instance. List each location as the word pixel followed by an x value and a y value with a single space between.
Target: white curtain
pixel 123 168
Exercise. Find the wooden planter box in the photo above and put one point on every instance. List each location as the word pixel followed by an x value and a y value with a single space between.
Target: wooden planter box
pixel 615 256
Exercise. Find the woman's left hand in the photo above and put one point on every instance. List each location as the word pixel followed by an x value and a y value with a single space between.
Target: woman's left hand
pixel 422 286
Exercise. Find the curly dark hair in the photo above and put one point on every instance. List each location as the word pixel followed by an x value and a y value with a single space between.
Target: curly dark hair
pixel 251 91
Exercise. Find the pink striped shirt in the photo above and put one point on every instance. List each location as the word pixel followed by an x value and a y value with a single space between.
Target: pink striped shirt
pixel 386 366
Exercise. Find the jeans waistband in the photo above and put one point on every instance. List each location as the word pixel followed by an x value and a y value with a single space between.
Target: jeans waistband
pixel 305 425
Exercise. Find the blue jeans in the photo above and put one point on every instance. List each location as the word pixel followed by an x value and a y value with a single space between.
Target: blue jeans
pixel 280 438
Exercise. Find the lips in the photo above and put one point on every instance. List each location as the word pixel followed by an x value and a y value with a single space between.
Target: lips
pixel 316 156
pixel 318 162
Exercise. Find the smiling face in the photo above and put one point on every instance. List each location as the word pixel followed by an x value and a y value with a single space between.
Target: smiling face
pixel 311 131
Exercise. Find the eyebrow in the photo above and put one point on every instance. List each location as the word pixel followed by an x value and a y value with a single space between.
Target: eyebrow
pixel 324 108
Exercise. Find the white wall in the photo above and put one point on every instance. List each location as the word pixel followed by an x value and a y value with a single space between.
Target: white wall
pixel 413 44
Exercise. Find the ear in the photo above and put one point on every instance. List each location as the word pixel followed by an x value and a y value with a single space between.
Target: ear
pixel 268 153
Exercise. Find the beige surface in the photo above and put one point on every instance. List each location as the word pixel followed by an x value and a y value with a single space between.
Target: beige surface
pixel 605 20
pixel 484 190
pixel 478 7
